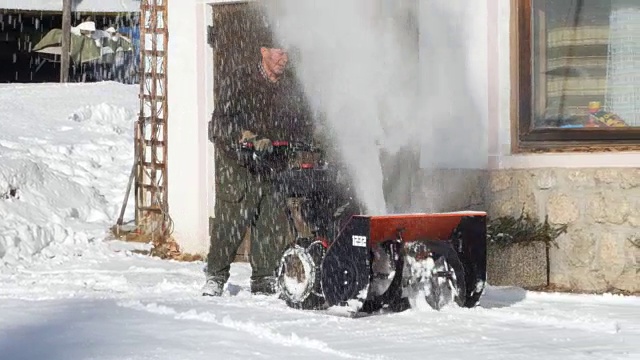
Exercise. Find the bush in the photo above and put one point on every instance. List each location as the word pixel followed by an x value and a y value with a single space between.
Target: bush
pixel 508 230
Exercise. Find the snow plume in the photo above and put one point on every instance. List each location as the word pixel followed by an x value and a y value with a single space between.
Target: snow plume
pixel 454 103
pixel 359 62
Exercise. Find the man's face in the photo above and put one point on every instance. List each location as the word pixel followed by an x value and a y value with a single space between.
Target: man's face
pixel 275 60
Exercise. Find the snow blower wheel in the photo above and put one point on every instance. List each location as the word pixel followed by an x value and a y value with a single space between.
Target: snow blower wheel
pixel 299 275
pixel 434 275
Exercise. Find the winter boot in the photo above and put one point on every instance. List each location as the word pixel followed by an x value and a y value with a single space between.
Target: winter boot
pixel 213 287
pixel 265 285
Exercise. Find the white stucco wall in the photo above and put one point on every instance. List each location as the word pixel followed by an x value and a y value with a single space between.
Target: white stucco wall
pixel 189 106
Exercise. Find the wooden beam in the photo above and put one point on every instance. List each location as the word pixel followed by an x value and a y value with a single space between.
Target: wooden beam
pixel 66 41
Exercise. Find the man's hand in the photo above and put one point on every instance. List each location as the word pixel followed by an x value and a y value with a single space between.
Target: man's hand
pixel 263 145
pixel 248 136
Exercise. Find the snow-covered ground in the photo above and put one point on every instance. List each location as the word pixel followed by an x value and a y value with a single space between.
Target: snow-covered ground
pixel 67 292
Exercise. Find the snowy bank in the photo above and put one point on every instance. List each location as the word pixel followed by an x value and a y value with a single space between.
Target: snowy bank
pixel 65 155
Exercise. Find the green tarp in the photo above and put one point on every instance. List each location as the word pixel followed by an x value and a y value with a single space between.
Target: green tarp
pixel 83 48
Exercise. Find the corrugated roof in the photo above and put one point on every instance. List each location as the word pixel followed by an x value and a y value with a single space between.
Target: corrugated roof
pixel 79 5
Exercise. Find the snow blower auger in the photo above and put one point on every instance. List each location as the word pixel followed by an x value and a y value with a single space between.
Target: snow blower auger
pixel 367 263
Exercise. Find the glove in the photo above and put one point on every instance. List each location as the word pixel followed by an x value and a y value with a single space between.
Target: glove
pixel 263 145
pixel 247 136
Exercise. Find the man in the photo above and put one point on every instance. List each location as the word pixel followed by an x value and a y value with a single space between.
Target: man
pixel 261 104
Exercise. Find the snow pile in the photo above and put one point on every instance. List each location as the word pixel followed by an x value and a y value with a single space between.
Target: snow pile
pixel 65 155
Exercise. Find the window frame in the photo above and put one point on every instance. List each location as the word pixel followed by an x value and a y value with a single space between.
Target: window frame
pixel 526 139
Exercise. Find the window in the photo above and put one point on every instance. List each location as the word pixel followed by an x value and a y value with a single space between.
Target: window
pixel 577 70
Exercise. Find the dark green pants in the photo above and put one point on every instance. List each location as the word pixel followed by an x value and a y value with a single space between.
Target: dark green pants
pixel 264 210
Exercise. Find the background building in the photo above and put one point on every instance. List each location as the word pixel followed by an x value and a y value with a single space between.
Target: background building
pixel 23 23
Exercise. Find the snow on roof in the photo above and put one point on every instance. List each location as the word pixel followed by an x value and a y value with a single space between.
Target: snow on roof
pixel 79 5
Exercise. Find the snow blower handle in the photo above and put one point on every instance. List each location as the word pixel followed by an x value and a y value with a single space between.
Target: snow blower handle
pixel 248 148
pixel 279 158
pixel 280 148
pixel 263 162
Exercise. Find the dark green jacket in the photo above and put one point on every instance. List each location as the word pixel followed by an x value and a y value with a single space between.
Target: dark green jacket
pixel 248 101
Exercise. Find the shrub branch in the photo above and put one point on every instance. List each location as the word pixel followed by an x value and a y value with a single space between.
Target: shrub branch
pixel 507 230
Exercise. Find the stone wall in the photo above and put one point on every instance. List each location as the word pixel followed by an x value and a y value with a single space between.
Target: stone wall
pixel 602 210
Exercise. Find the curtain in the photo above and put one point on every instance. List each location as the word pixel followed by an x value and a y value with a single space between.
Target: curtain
pixel 623 65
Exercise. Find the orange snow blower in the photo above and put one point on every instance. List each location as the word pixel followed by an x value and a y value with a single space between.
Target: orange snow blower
pixel 368 263
pixel 393 262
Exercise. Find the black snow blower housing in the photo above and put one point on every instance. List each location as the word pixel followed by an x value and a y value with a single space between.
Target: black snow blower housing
pixel 393 262
pixel 369 263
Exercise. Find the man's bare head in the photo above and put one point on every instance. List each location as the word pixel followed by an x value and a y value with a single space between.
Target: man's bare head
pixel 274 61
